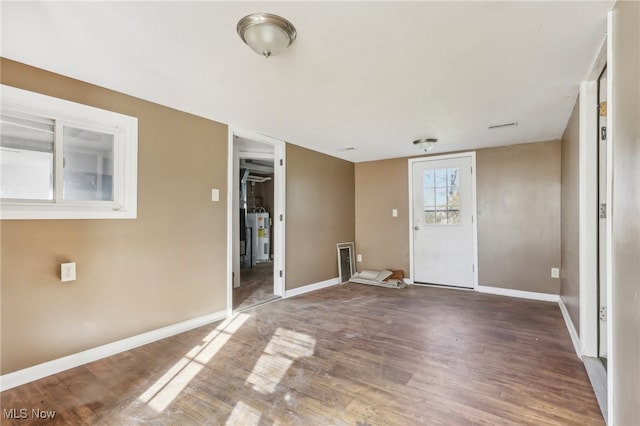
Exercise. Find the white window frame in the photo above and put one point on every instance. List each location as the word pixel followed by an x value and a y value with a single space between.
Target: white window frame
pixel 66 113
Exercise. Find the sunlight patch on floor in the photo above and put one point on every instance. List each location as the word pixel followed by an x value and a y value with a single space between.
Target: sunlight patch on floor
pixel 268 372
pixel 167 388
pixel 243 415
pixel 284 347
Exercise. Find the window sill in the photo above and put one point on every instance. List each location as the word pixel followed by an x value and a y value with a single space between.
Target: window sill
pixel 30 211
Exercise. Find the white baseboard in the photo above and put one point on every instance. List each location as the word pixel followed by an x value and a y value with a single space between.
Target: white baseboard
pixel 546 297
pixel 311 287
pixel 30 374
pixel 572 330
pixel 443 287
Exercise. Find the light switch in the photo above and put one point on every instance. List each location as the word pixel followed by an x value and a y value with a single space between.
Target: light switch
pixel 394 212
pixel 215 194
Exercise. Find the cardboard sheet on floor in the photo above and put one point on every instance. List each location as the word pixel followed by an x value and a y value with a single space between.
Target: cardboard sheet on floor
pixel 384 278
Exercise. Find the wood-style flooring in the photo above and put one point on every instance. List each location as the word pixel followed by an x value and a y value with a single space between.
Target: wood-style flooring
pixel 346 355
pixel 256 287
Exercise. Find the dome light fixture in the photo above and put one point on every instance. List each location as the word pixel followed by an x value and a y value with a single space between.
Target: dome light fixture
pixel 266 34
pixel 425 144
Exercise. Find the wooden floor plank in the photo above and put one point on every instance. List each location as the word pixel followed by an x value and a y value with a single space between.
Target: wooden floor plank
pixel 350 354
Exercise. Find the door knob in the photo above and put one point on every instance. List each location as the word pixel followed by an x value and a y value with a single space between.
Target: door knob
pixel 416 227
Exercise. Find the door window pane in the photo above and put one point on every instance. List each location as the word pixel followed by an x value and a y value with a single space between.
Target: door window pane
pixel 441 198
pixel 441 177
pixel 429 199
pixel 430 217
pixel 26 158
pixel 88 165
pixel 441 194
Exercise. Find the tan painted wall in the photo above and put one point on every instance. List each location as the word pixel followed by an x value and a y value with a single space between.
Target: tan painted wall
pixel 320 214
pixel 383 240
pixel 519 216
pixel 570 234
pixel 166 266
pixel 625 312
pixel 518 233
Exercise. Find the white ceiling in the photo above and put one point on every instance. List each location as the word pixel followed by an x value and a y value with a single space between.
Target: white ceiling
pixel 369 75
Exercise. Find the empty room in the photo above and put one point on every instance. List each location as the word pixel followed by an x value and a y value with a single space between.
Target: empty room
pixel 314 213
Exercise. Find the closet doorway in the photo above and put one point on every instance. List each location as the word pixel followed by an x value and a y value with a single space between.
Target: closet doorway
pixel 257 188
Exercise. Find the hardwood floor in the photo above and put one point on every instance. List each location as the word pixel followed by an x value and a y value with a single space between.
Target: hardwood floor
pixel 349 354
pixel 256 286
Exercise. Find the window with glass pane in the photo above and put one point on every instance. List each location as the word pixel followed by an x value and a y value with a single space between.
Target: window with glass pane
pixel 441 196
pixel 26 158
pixel 65 160
pixel 88 165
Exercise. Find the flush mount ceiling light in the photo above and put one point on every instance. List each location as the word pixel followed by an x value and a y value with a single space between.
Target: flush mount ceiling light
pixel 266 34
pixel 425 144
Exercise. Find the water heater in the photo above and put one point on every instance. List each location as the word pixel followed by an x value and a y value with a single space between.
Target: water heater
pixel 259 224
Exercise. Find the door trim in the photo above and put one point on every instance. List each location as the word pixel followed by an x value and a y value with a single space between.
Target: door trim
pixel 474 209
pixel 588 227
pixel 611 359
pixel 233 204
pixel 587 222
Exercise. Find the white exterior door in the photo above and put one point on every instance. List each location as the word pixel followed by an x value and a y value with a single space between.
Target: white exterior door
pixel 442 221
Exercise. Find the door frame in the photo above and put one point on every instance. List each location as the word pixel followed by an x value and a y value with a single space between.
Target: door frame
pixel 588 206
pixel 474 209
pixel 588 225
pixel 233 205
pixel 602 279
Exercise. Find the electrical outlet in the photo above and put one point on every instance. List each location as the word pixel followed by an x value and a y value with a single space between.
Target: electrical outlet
pixel 68 272
pixel 555 272
pixel 359 257
pixel 394 212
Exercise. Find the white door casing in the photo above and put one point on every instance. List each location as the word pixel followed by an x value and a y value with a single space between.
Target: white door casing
pixel 443 229
pixel 602 219
pixel 279 214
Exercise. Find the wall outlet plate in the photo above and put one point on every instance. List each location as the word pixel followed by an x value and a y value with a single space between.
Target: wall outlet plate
pixel 68 272
pixel 359 257
pixel 555 272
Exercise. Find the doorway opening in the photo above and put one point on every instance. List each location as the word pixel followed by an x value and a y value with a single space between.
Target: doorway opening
pixel 595 175
pixel 255 283
pixel 256 186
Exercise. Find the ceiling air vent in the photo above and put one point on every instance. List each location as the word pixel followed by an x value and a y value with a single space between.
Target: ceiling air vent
pixel 498 126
